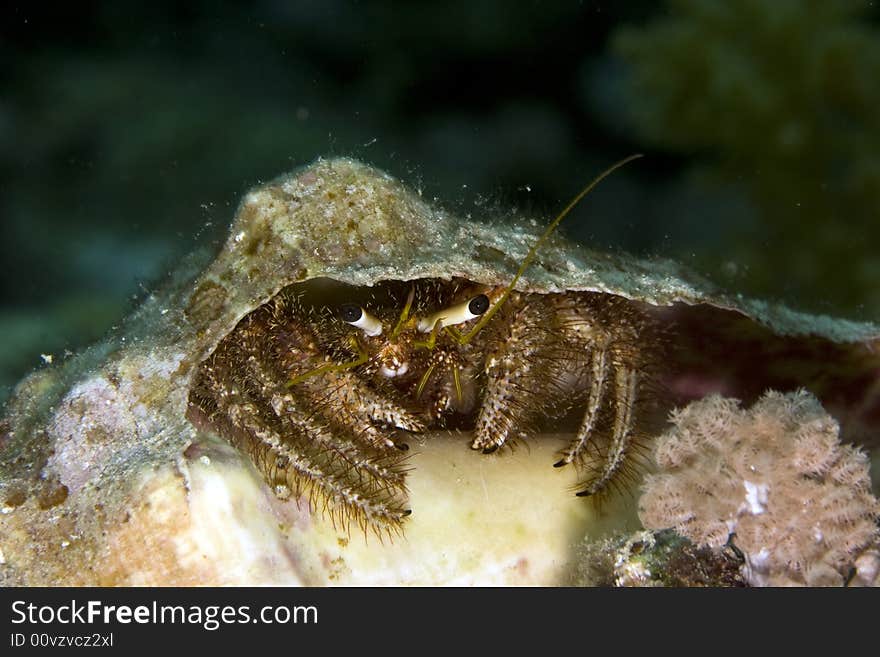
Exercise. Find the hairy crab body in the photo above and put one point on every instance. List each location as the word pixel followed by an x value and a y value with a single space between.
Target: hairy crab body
pixel 317 384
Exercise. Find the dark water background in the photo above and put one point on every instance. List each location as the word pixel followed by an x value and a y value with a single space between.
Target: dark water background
pixel 129 131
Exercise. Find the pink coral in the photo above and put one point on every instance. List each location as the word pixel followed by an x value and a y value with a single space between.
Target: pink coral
pixel 774 479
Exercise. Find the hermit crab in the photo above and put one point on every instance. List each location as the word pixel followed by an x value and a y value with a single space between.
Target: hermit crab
pixel 321 384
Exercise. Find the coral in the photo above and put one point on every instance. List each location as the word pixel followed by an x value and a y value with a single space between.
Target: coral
pixel 773 480
pixel 779 99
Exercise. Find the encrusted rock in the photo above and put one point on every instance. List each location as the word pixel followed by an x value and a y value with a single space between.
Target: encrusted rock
pixel 104 481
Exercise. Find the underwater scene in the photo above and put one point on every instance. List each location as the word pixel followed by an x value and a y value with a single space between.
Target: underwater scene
pixel 575 294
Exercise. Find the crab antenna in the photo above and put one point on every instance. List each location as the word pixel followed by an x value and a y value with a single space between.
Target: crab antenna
pixel 405 314
pixel 530 256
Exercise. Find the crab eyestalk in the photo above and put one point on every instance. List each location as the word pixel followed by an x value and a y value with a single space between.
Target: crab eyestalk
pixel 457 314
pixel 357 316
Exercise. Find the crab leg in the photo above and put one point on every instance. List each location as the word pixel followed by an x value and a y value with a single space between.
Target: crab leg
pixel 339 397
pixel 348 404
pixel 625 383
pixel 367 488
pixel 526 379
pixel 510 386
pixel 362 462
pixel 598 380
pixel 319 468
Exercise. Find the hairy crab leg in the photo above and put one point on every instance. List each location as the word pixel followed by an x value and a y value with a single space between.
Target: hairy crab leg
pixel 525 378
pixel 507 382
pixel 380 409
pixel 598 381
pixel 346 401
pixel 288 409
pixel 626 385
pixel 295 459
pixel 375 470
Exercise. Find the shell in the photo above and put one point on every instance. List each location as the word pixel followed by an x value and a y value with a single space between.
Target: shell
pixel 103 481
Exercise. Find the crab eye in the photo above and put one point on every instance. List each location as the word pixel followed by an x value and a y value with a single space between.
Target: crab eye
pixel 462 312
pixel 353 314
pixel 478 305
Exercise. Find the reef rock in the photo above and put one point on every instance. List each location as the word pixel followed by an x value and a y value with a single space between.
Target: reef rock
pixel 104 481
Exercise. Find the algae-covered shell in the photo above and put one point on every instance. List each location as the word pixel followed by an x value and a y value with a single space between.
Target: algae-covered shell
pixel 105 482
